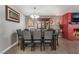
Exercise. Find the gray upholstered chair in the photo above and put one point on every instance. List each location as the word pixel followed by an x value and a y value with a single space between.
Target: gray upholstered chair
pixel 56 36
pixel 37 39
pixel 27 39
pixel 48 39
pixel 19 34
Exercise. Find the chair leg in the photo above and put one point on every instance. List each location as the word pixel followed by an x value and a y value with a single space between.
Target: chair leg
pixel 23 48
pixel 55 47
pixel 31 49
pixel 33 46
pixel 54 44
pixel 57 42
pixel 41 47
pixel 51 46
pixel 19 43
pixel 44 46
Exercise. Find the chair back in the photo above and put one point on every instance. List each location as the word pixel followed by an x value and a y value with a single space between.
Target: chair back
pixel 26 35
pixel 57 32
pixel 36 34
pixel 48 34
pixel 19 32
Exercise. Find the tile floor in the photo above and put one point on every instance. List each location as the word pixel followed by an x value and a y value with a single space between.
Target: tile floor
pixel 65 47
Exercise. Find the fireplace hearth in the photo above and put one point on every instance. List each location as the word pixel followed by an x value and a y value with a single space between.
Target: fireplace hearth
pixel 76 33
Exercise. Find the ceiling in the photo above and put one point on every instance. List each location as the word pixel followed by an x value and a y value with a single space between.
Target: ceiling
pixel 47 9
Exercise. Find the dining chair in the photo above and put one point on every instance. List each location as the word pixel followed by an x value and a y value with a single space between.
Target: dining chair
pixel 56 36
pixel 19 34
pixel 27 39
pixel 48 39
pixel 37 39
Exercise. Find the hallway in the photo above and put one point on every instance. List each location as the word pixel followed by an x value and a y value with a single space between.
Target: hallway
pixel 65 47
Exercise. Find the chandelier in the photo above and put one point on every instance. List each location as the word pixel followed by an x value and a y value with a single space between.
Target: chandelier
pixel 34 15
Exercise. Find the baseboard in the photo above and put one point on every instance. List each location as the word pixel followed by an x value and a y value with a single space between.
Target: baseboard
pixel 5 50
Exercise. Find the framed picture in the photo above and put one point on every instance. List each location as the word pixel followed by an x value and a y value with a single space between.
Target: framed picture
pixel 12 15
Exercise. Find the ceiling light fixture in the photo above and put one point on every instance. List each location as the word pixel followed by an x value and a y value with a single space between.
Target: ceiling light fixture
pixel 34 15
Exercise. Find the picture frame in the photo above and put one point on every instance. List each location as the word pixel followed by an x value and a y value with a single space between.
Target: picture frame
pixel 12 15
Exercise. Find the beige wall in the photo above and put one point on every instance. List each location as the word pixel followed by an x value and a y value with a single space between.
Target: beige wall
pixel 55 19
